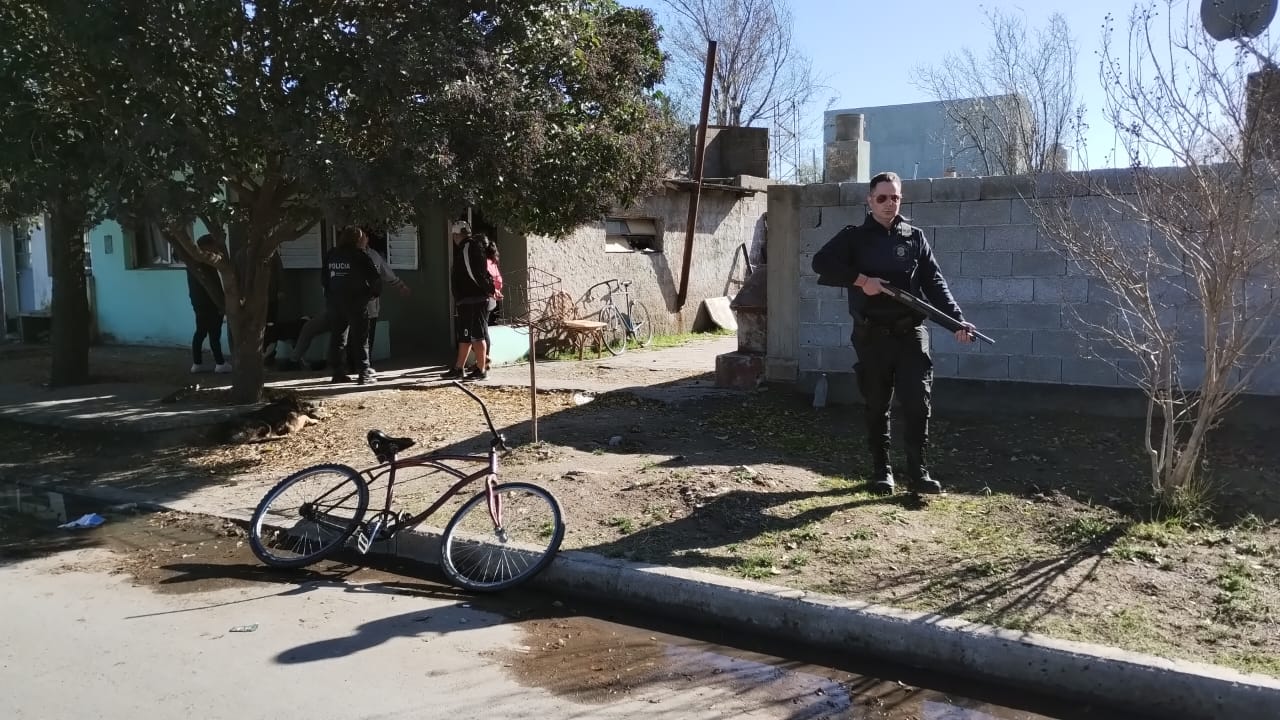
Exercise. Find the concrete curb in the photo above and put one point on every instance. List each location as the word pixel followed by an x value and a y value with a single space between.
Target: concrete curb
pixel 1090 674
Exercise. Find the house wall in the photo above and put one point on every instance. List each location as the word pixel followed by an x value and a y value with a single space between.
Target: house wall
pixel 1006 275
pixel 725 221
pixel 149 306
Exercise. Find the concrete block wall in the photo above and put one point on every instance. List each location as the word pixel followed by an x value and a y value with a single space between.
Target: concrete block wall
pixel 1005 273
pixel 726 220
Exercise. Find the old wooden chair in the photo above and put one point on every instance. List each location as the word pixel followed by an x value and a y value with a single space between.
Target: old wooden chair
pixel 562 316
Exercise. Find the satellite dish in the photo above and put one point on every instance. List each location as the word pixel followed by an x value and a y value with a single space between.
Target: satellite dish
pixel 1235 19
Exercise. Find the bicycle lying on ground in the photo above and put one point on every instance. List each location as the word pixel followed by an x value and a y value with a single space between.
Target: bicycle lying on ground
pixel 624 323
pixel 499 538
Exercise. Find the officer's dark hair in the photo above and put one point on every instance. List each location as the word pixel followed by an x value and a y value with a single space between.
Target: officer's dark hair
pixel 351 235
pixel 887 176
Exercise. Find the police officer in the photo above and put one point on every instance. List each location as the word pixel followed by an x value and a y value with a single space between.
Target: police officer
pixel 890 339
pixel 350 281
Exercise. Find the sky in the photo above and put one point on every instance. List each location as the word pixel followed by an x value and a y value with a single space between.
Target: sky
pixel 866 51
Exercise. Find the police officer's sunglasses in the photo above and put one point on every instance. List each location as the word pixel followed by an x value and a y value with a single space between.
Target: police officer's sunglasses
pixel 881 198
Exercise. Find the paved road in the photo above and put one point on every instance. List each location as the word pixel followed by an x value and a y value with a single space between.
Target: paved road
pixel 139 621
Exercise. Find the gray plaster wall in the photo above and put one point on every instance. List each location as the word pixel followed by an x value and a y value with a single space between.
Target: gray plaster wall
pixel 1008 278
pixel 726 220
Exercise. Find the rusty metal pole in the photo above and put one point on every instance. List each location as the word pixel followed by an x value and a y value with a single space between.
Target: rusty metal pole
pixel 699 149
pixel 533 378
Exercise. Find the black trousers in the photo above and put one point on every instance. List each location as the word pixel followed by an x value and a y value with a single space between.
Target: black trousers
pixel 348 333
pixel 894 361
pixel 208 325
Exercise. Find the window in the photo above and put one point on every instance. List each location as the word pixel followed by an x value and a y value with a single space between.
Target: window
pixel 632 235
pixel 402 248
pixel 148 247
pixel 304 252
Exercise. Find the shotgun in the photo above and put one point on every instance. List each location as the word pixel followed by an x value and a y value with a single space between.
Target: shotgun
pixel 930 311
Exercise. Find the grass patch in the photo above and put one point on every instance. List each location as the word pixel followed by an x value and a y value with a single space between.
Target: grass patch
pixel 1237 601
pixel 755 567
pixel 625 525
pixel 1253 662
pixel 680 339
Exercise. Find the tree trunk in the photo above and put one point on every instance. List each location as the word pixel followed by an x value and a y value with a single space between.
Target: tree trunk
pixel 248 376
pixel 70 307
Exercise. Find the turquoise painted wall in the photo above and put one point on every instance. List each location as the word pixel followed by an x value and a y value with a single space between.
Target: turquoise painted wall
pixel 144 306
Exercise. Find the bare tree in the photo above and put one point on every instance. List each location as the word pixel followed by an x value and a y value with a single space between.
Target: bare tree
pixel 760 75
pixel 1188 254
pixel 1012 107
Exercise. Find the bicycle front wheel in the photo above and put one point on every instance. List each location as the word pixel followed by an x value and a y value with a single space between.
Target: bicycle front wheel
pixel 615 330
pixel 487 551
pixel 308 516
pixel 640 325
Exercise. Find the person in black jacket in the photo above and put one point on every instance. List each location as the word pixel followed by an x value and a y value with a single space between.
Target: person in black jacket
pixel 350 281
pixel 890 339
pixel 208 310
pixel 472 286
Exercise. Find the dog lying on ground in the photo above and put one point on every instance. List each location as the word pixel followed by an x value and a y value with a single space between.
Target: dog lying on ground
pixel 283 414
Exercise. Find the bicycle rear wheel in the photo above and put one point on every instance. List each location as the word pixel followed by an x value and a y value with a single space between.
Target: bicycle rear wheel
pixel 640 325
pixel 615 330
pixel 482 554
pixel 308 516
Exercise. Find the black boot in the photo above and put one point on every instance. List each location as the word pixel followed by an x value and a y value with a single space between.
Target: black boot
pixel 881 470
pixel 918 478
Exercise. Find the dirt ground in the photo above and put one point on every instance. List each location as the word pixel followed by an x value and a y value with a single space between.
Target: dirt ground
pixel 1043 527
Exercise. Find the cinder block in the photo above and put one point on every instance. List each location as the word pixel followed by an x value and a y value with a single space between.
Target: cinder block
pixel 820 194
pixel 1009 342
pixel 958 239
pixel 809 357
pixel 987 315
pixel 1003 187
pixel 810 217
pixel 835 311
pixel 984 367
pixel 810 311
pixel 1088 371
pixel 1023 211
pixel 945 365
pixel 965 289
pixel 854 193
pixel 986 212
pixel 944 340
pixel 956 189
pixel 1013 290
pixel 1079 316
pixel 739 371
pixel 1035 368
pixel 822 334
pixel 1061 290
pixel 1039 263
pixel 809 288
pixel 837 359
pixel 1033 316
pixel 1059 343
pixel 1265 379
pixel 836 218
pixel 917 191
pixel 812 240
pixel 947 261
pixel 932 214
pixel 1011 237
pixel 986 264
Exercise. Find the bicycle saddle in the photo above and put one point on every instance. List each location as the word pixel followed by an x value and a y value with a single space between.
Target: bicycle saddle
pixel 385 447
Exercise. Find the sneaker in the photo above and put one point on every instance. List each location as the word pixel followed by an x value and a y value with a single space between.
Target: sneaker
pixel 366 378
pixel 222 368
pixel 926 485
pixel 477 375
pixel 883 484
pixel 200 368
pixel 452 374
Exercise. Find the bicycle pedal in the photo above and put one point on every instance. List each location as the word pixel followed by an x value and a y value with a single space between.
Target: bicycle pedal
pixel 366 539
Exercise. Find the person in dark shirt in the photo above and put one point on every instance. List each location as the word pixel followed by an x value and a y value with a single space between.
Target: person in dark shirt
pixel 890 339
pixel 472 287
pixel 208 309
pixel 350 281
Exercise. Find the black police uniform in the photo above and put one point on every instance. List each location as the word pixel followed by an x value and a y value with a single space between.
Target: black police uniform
pixel 890 339
pixel 350 281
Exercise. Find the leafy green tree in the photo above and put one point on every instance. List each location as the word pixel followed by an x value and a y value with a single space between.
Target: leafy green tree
pixel 58 149
pixel 258 118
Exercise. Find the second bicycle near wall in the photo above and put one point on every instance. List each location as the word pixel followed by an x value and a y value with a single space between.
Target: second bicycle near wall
pixel 606 317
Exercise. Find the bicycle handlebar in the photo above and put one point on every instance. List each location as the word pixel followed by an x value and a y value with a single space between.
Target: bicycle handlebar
pixel 498 440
